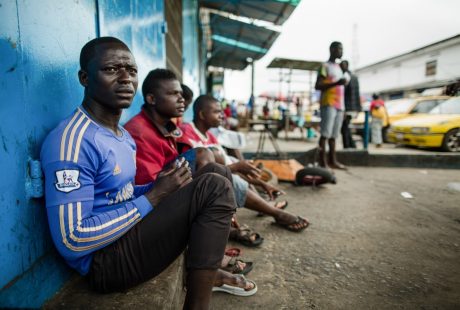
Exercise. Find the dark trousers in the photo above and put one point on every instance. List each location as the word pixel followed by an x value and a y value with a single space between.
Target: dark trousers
pixel 196 217
pixel 347 137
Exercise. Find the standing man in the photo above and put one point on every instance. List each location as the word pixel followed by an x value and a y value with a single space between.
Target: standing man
pixel 105 227
pixel 352 104
pixel 331 83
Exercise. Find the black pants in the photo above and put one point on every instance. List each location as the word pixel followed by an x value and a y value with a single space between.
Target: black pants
pixel 347 137
pixel 197 216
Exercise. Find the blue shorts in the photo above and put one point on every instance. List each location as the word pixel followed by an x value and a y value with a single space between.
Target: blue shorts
pixel 240 188
pixel 331 122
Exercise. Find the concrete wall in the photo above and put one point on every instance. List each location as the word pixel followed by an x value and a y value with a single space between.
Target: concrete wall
pixel 408 70
pixel 40 42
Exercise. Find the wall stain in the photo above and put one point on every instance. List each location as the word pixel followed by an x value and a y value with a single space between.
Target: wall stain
pixel 12 43
pixel 4 143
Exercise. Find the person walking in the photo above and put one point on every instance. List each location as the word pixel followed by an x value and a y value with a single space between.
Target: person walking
pixel 379 119
pixel 330 82
pixel 352 104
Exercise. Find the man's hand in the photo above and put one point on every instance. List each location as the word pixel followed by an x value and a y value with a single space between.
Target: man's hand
pixel 169 181
pixel 246 168
pixel 342 81
pixel 271 191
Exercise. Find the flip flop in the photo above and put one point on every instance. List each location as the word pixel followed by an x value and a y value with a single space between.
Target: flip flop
pixel 234 290
pixel 243 235
pixel 232 266
pixel 233 252
pixel 289 226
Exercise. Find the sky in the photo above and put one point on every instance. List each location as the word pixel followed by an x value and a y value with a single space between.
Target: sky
pixel 370 31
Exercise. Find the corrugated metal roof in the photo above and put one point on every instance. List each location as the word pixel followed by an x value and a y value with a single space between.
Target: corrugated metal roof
pixel 274 11
pixel 233 42
pixel 309 65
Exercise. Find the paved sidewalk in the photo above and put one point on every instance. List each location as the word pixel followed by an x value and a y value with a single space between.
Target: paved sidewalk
pixel 298 143
pixel 368 247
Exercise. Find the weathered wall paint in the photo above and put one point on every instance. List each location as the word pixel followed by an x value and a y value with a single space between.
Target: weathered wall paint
pixel 40 42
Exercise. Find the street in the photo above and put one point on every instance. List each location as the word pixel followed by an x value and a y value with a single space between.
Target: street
pixel 367 247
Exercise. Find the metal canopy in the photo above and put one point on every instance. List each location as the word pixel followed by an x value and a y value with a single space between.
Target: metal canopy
pixel 274 11
pixel 295 64
pixel 233 42
pixel 230 57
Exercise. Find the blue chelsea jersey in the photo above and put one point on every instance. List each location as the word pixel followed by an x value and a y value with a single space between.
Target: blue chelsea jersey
pixel 91 198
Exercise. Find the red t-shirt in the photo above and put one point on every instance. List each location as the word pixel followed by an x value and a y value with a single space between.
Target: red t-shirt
pixel 376 104
pixel 192 137
pixel 155 148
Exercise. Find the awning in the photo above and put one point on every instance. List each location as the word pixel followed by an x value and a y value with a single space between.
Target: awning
pixel 234 42
pixel 274 11
pixel 295 64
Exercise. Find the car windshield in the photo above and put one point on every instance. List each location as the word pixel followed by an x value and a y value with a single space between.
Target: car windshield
pixel 399 106
pixel 425 106
pixel 451 106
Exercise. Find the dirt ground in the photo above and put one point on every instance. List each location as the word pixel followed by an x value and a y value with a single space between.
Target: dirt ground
pixel 367 247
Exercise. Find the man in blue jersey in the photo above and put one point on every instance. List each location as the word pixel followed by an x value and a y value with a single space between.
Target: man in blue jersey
pixel 104 226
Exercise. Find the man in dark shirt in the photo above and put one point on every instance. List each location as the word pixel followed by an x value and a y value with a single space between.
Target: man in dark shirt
pixel 352 104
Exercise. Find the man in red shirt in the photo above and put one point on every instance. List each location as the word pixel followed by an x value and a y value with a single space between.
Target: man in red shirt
pixel 208 114
pixel 155 133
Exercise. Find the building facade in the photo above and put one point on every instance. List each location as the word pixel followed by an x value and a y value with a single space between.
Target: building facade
pixel 432 66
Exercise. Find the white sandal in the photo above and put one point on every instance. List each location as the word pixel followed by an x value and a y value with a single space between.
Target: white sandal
pixel 235 290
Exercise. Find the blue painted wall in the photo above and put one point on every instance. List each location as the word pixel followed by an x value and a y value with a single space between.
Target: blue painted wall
pixel 40 42
pixel 190 54
pixel 140 24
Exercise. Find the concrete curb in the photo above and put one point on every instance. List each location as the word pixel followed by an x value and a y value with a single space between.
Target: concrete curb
pixel 364 159
pixel 165 291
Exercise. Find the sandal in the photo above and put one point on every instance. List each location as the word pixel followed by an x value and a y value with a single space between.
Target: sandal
pixel 234 265
pixel 233 252
pixel 280 205
pixel 292 225
pixel 235 290
pixel 243 235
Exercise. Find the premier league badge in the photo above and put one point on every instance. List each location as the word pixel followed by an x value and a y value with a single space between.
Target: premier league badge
pixel 67 180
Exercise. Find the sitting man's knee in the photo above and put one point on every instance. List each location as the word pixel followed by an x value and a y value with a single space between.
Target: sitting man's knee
pixel 203 157
pixel 218 156
pixel 218 169
pixel 216 183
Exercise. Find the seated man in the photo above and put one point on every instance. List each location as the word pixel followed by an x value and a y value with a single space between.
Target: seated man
pixel 116 233
pixel 155 134
pixel 207 113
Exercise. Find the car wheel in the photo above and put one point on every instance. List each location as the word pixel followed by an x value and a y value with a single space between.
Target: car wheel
pixel 451 142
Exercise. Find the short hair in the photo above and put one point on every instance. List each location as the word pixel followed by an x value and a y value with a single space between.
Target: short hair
pixel 155 76
pixel 375 96
pixel 345 61
pixel 187 93
pixel 89 49
pixel 334 44
pixel 201 103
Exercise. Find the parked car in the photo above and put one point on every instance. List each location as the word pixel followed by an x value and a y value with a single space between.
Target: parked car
pixel 399 109
pixel 402 108
pixel 439 128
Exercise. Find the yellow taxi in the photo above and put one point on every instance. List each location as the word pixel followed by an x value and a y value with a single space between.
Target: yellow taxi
pixel 439 128
pixel 400 108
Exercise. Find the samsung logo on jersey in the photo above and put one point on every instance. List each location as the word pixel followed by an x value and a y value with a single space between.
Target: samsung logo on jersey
pixel 67 180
